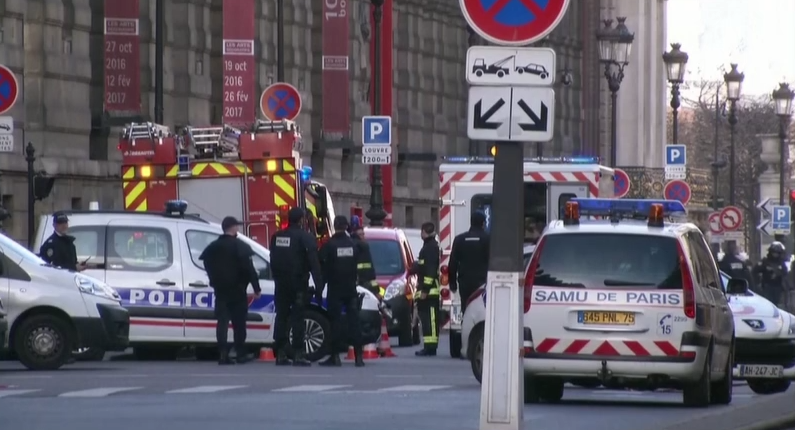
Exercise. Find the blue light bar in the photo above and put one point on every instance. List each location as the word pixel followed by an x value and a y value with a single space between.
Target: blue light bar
pixel 540 160
pixel 627 206
pixel 306 173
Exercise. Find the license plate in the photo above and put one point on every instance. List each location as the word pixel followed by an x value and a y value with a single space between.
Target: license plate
pixel 761 371
pixel 456 314
pixel 605 318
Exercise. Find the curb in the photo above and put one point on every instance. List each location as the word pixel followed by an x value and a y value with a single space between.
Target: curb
pixel 781 423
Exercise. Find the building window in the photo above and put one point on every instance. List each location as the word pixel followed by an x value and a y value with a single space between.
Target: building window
pixel 409 216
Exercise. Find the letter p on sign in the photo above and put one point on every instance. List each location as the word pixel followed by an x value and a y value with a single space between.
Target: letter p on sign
pixel 376 130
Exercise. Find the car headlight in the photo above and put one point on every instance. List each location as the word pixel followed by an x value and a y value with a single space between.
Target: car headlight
pixel 94 287
pixel 396 288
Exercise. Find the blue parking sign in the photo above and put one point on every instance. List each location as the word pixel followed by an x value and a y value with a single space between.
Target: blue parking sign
pixel 675 155
pixel 781 218
pixel 376 130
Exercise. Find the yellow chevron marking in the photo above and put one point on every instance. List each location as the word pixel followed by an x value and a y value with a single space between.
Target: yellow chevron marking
pixel 220 168
pixel 242 168
pixel 288 166
pixel 198 169
pixel 278 200
pixel 141 207
pixel 311 207
pixel 134 194
pixel 129 173
pixel 284 185
pixel 173 171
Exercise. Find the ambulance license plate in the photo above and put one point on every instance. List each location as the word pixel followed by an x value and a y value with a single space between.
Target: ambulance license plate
pixel 761 371
pixel 605 318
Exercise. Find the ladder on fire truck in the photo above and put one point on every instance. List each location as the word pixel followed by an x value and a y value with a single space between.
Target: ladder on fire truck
pixel 145 131
pixel 223 142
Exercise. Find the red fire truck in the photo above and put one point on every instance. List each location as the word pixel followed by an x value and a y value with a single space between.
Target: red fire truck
pixel 255 175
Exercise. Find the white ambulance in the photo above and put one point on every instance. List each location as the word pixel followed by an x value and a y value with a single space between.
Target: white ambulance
pixel 549 182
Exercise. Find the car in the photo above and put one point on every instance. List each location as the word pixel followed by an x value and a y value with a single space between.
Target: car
pixel 392 260
pixel 3 328
pixel 764 352
pixel 152 260
pixel 51 312
pixel 533 69
pixel 616 296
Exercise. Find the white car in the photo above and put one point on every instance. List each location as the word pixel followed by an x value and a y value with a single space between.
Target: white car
pixel 152 260
pixel 765 340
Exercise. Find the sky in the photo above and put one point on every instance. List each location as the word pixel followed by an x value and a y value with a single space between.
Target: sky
pixel 759 35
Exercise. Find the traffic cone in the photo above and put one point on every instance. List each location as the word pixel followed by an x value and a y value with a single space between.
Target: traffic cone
pixel 266 354
pixel 384 348
pixel 370 352
pixel 351 354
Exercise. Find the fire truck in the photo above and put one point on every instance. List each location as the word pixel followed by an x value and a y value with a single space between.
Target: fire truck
pixel 255 175
pixel 465 185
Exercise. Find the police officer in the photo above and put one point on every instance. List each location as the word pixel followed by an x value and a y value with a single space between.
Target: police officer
pixel 338 261
pixel 364 260
pixel 469 258
pixel 427 270
pixel 229 266
pixel 771 273
pixel 293 257
pixel 734 266
pixel 59 249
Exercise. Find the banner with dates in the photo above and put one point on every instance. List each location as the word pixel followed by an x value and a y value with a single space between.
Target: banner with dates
pixel 239 66
pixel 122 57
pixel 336 81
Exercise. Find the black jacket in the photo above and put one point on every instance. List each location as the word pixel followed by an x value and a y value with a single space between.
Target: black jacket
pixel 364 265
pixel 59 250
pixel 338 262
pixel 229 265
pixel 771 275
pixel 294 257
pixel 427 265
pixel 736 268
pixel 469 260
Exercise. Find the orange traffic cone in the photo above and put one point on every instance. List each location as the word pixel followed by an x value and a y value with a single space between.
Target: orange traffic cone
pixel 370 352
pixel 384 348
pixel 266 354
pixel 351 354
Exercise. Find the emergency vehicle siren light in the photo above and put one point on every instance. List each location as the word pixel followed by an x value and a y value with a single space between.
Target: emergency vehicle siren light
pixel 571 213
pixel 176 207
pixel 145 130
pixel 653 210
pixel 539 160
pixel 284 221
pixel 306 173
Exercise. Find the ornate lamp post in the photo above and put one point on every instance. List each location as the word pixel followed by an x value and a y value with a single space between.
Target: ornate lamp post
pixel 675 62
pixel 734 85
pixel 782 97
pixel 376 213
pixel 615 45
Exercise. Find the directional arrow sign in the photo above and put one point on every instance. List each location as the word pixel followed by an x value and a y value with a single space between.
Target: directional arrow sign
pixel 766 206
pixel 482 119
pixel 533 111
pixel 764 227
pixel 519 114
pixel 539 121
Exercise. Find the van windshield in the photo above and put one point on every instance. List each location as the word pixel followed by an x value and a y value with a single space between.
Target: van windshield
pixel 387 257
pixel 609 261
pixel 9 244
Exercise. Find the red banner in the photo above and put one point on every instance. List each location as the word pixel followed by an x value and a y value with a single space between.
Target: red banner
pixel 239 66
pixel 336 123
pixel 122 57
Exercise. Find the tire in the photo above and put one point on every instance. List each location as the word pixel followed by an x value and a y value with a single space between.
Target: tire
pixel 500 74
pixel 520 71
pixel 543 76
pixel 479 73
pixel 769 386
pixel 475 352
pixel 698 394
pixel 89 354
pixel 316 336
pixel 155 353
pixel 455 344
pixel 43 342
pixel 550 390
pixel 722 390
pixel 406 335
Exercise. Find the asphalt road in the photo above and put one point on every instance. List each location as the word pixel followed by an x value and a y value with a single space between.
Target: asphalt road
pixel 387 394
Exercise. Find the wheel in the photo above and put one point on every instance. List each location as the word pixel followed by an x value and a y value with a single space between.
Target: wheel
pixel 543 76
pixel 722 390
pixel 43 342
pixel 406 334
pixel 698 394
pixel 479 73
pixel 316 329
pixel 550 390
pixel 475 353
pixel 500 74
pixel 156 353
pixel 520 71
pixel 455 344
pixel 531 390
pixel 769 386
pixel 89 354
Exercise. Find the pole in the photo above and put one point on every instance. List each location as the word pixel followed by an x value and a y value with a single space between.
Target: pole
pixel 159 47
pixel 280 40
pixel 30 157
pixel 715 153
pixel 614 128
pixel 732 156
pixel 376 213
pixel 782 167
pixel 675 103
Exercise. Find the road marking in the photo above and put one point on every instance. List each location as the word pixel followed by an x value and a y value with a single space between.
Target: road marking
pixel 9 393
pixel 206 389
pixel 310 388
pixel 415 388
pixel 98 392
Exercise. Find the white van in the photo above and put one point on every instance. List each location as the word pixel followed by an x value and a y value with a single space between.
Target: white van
pixel 51 312
pixel 152 260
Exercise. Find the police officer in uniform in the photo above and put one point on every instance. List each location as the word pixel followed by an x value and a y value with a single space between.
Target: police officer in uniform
pixel 338 261
pixel 229 266
pixel 364 260
pixel 734 266
pixel 293 257
pixel 771 273
pixel 469 258
pixel 59 249
pixel 427 270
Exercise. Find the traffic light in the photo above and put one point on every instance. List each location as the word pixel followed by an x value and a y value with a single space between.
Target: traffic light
pixel 791 197
pixel 42 186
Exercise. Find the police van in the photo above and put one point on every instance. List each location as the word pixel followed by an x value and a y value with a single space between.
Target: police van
pixel 152 260
pixel 626 301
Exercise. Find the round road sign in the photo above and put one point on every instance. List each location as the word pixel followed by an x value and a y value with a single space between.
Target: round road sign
pixel 714 223
pixel 9 89
pixel 731 217
pixel 513 22
pixel 621 183
pixel 677 190
pixel 280 101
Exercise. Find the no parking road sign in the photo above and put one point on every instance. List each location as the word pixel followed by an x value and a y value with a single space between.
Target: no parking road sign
pixel 621 184
pixel 9 89
pixel 513 22
pixel 280 101
pixel 678 190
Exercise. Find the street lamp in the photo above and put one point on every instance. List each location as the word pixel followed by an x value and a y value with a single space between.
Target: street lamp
pixel 734 85
pixel 782 97
pixel 675 62
pixel 615 45
pixel 376 213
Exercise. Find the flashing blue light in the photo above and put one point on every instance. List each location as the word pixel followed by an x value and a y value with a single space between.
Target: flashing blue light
pixel 627 206
pixel 176 207
pixel 306 173
pixel 355 221
pixel 541 160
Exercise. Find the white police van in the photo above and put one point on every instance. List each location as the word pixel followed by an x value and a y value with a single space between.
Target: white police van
pixel 625 303
pixel 152 260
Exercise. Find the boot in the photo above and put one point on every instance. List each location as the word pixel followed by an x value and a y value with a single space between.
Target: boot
pixel 282 359
pixel 244 357
pixel 223 358
pixel 300 360
pixel 359 355
pixel 426 353
pixel 332 361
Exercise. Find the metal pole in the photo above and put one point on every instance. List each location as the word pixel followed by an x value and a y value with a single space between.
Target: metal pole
pixel 30 157
pixel 280 40
pixel 159 47
pixel 675 103
pixel 614 128
pixel 715 153
pixel 782 167
pixel 376 213
pixel 732 156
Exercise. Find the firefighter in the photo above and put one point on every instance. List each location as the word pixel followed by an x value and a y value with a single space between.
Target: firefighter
pixel 734 266
pixel 427 269
pixel 469 258
pixel 230 268
pixel 293 258
pixel 59 249
pixel 364 262
pixel 338 261
pixel 771 273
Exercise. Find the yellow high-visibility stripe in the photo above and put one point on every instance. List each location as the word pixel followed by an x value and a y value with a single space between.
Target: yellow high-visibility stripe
pixel 173 171
pixel 133 195
pixel 142 207
pixel 364 266
pixel 220 168
pixel 311 208
pixel 283 185
pixel 278 200
pixel 242 168
pixel 198 169
pixel 288 166
pixel 129 173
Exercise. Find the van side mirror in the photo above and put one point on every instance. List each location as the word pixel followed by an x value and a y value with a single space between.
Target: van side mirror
pixel 320 203
pixel 737 287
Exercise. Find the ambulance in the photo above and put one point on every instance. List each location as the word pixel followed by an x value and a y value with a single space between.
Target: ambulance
pixel 466 186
